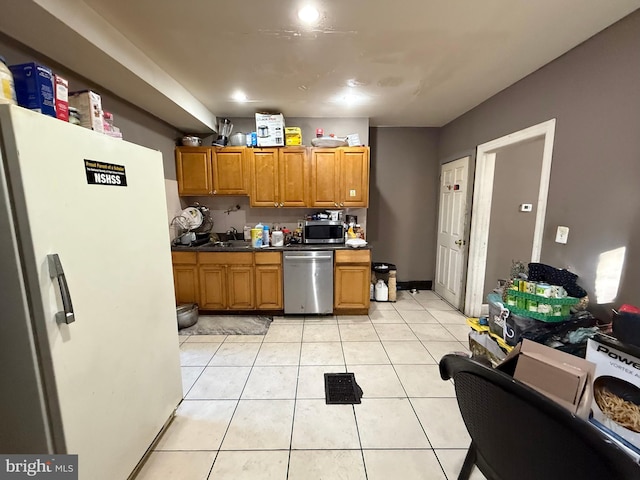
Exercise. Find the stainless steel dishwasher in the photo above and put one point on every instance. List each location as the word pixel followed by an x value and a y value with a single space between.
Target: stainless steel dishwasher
pixel 308 282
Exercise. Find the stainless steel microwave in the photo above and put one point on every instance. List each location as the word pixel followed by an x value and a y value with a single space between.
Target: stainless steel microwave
pixel 323 231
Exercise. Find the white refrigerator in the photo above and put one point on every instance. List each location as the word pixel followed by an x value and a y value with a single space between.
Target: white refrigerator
pixel 89 360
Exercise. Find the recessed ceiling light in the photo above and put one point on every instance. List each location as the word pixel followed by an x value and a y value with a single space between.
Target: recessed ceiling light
pixel 239 96
pixel 308 14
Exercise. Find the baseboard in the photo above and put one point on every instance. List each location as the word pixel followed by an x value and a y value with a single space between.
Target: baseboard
pixel 415 284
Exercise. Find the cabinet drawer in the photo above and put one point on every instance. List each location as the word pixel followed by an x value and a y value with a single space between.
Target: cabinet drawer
pixel 225 258
pixel 185 258
pixel 268 258
pixel 353 256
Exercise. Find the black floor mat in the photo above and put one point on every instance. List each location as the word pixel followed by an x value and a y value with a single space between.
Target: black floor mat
pixel 341 388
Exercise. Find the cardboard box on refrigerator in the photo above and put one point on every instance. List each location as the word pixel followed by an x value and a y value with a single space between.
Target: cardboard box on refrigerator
pixel 34 87
pixel 89 105
pixel 562 377
pixel 62 98
pixel 270 130
pixel 616 386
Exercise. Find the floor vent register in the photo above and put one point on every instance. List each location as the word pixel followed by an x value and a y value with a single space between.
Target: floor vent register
pixel 341 389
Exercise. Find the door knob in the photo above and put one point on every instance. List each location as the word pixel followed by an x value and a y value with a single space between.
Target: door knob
pixel 460 242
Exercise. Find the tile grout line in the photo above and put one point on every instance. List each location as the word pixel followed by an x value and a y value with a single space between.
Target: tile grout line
pixel 235 409
pixel 295 403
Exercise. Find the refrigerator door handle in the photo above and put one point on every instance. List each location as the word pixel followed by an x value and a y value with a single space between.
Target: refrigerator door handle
pixel 56 271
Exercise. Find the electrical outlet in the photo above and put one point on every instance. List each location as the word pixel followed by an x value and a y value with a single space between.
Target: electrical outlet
pixel 562 234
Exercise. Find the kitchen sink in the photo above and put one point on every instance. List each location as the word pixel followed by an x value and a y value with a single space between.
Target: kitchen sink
pixel 230 244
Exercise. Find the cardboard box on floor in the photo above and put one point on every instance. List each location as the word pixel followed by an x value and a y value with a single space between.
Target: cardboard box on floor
pixel 564 378
pixel 616 364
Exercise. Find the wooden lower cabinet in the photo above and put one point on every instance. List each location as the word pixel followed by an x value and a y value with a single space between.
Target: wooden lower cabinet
pixel 240 287
pixel 269 294
pixel 352 276
pixel 185 277
pixel 226 280
pixel 213 292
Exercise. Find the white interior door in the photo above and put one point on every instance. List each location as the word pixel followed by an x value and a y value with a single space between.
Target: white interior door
pixel 450 260
pixel 481 214
pixel 116 373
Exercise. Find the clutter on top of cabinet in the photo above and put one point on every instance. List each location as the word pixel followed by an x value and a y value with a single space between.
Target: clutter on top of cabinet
pixel 34 87
pixel 329 142
pixel 270 130
pixel 225 128
pixel 293 136
pixel 238 139
pixel 191 141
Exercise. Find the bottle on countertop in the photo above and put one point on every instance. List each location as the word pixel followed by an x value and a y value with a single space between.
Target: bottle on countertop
pixel 265 236
pixel 277 238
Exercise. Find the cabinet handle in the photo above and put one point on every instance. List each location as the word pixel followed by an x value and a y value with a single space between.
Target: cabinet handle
pixel 335 204
pixel 275 204
pixel 341 204
pixel 215 191
pixel 282 204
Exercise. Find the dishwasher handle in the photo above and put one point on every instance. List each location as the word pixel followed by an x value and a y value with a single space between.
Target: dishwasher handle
pixel 301 257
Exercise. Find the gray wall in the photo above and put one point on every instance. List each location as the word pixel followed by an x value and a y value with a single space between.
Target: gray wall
pixel 402 217
pixel 594 93
pixel 516 180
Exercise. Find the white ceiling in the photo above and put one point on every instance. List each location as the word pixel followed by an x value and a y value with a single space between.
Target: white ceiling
pixel 412 62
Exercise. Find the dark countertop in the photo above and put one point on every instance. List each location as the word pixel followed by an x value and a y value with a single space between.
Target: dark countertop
pixel 304 246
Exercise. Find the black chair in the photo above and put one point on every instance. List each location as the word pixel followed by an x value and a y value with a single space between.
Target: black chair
pixel 519 434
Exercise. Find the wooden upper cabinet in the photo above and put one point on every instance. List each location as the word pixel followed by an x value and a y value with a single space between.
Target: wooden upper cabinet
pixel 264 177
pixel 354 177
pixel 193 168
pixel 293 177
pixel 325 171
pixel 279 177
pixel 230 171
pixel 340 177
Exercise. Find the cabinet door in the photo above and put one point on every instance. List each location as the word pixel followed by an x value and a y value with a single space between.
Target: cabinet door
pixel 264 177
pixel 269 287
pixel 354 177
pixel 185 281
pixel 352 286
pixel 230 171
pixel 213 295
pixel 325 171
pixel 293 177
pixel 240 287
pixel 193 168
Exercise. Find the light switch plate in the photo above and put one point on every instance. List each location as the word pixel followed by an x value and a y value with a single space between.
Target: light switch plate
pixel 562 234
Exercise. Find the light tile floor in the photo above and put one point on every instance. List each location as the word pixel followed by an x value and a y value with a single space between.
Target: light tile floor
pixel 254 405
